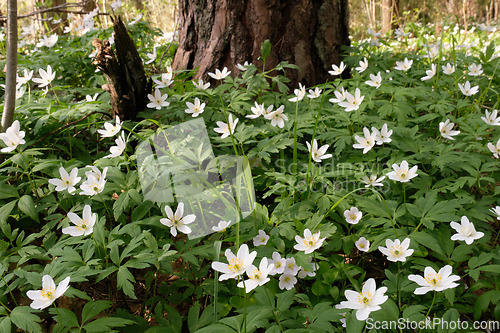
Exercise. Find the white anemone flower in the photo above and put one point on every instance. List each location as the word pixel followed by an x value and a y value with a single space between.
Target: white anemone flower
pixel 339 96
pixel 278 264
pixel 367 142
pixel 84 225
pixel 309 243
pixel 403 65
pixel 226 129
pixel 465 231
pixel 299 93
pixel 117 150
pixel 491 118
pixel 495 149
pixel 165 80
pixel 243 67
pixel 363 65
pixel 49 293
pixel 375 80
pixel 353 215
pixel 314 93
pixel 92 186
pixel 402 173
pixel 277 117
pixel 195 108
pixel 261 238
pixel 382 136
pixel 110 130
pixel 200 85
pixel 466 89
pixel 496 211
pixel 431 280
pixel 218 75
pixel 445 128
pixel 177 221
pixel 237 264
pixel 291 267
pixel 318 154
pixel 448 69
pixel 352 102
pixel 475 70
pixel 12 137
pixel 151 56
pixel 67 181
pixel 221 226
pixel 157 100
pixel 362 244
pixel 429 73
pixel 46 77
pixel 368 300
pixel 287 281
pixel 260 110
pixel 337 70
pixel 396 250
pixel 256 276
pixel 372 180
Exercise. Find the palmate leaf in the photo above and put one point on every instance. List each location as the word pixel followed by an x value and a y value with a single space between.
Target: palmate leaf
pixel 24 318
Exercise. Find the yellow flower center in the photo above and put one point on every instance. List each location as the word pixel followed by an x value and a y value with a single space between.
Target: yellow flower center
pixel 396 250
pixel 286 279
pixel 353 217
pixel 433 279
pixel 48 292
pixel 235 265
pixel 365 298
pixel 291 265
pixel 309 241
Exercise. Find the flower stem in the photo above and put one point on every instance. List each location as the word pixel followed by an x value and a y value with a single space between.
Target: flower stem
pixel 32 181
pixel 294 165
pixel 433 299
pixel 274 310
pixel 107 210
pixel 10 291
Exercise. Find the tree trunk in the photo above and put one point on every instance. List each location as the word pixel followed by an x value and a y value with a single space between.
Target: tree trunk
pixel 127 82
pixel 11 66
pixel 221 33
pixel 386 14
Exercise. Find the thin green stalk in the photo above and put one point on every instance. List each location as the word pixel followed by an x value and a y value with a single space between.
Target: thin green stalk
pixel 294 166
pixel 404 197
pixel 9 310
pixel 433 299
pixel 274 310
pixel 342 199
pixel 217 247
pixel 388 212
pixel 312 139
pixel 231 130
pixel 107 209
pixel 58 315
pixel 10 291
pixel 32 181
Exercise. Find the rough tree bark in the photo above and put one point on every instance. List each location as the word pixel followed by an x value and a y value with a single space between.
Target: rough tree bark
pixel 221 33
pixel 11 66
pixel 386 15
pixel 127 82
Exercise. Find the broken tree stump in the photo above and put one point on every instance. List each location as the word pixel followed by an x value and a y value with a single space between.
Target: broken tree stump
pixel 124 70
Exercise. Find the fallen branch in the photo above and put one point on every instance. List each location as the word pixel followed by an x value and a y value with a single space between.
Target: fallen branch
pixel 68 125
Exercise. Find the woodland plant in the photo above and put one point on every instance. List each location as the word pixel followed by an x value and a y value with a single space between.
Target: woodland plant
pixel 358 184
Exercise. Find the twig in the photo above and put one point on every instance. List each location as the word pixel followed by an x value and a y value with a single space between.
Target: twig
pixel 68 125
pixel 55 9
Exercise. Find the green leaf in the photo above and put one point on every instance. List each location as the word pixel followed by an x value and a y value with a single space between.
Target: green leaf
pixel 265 49
pixel 5 325
pixel 285 300
pixel 124 282
pixel 193 315
pixel 451 315
pixel 8 191
pixel 106 324
pixel 27 206
pixel 65 317
pixel 23 318
pixel 92 309
pixel 120 204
